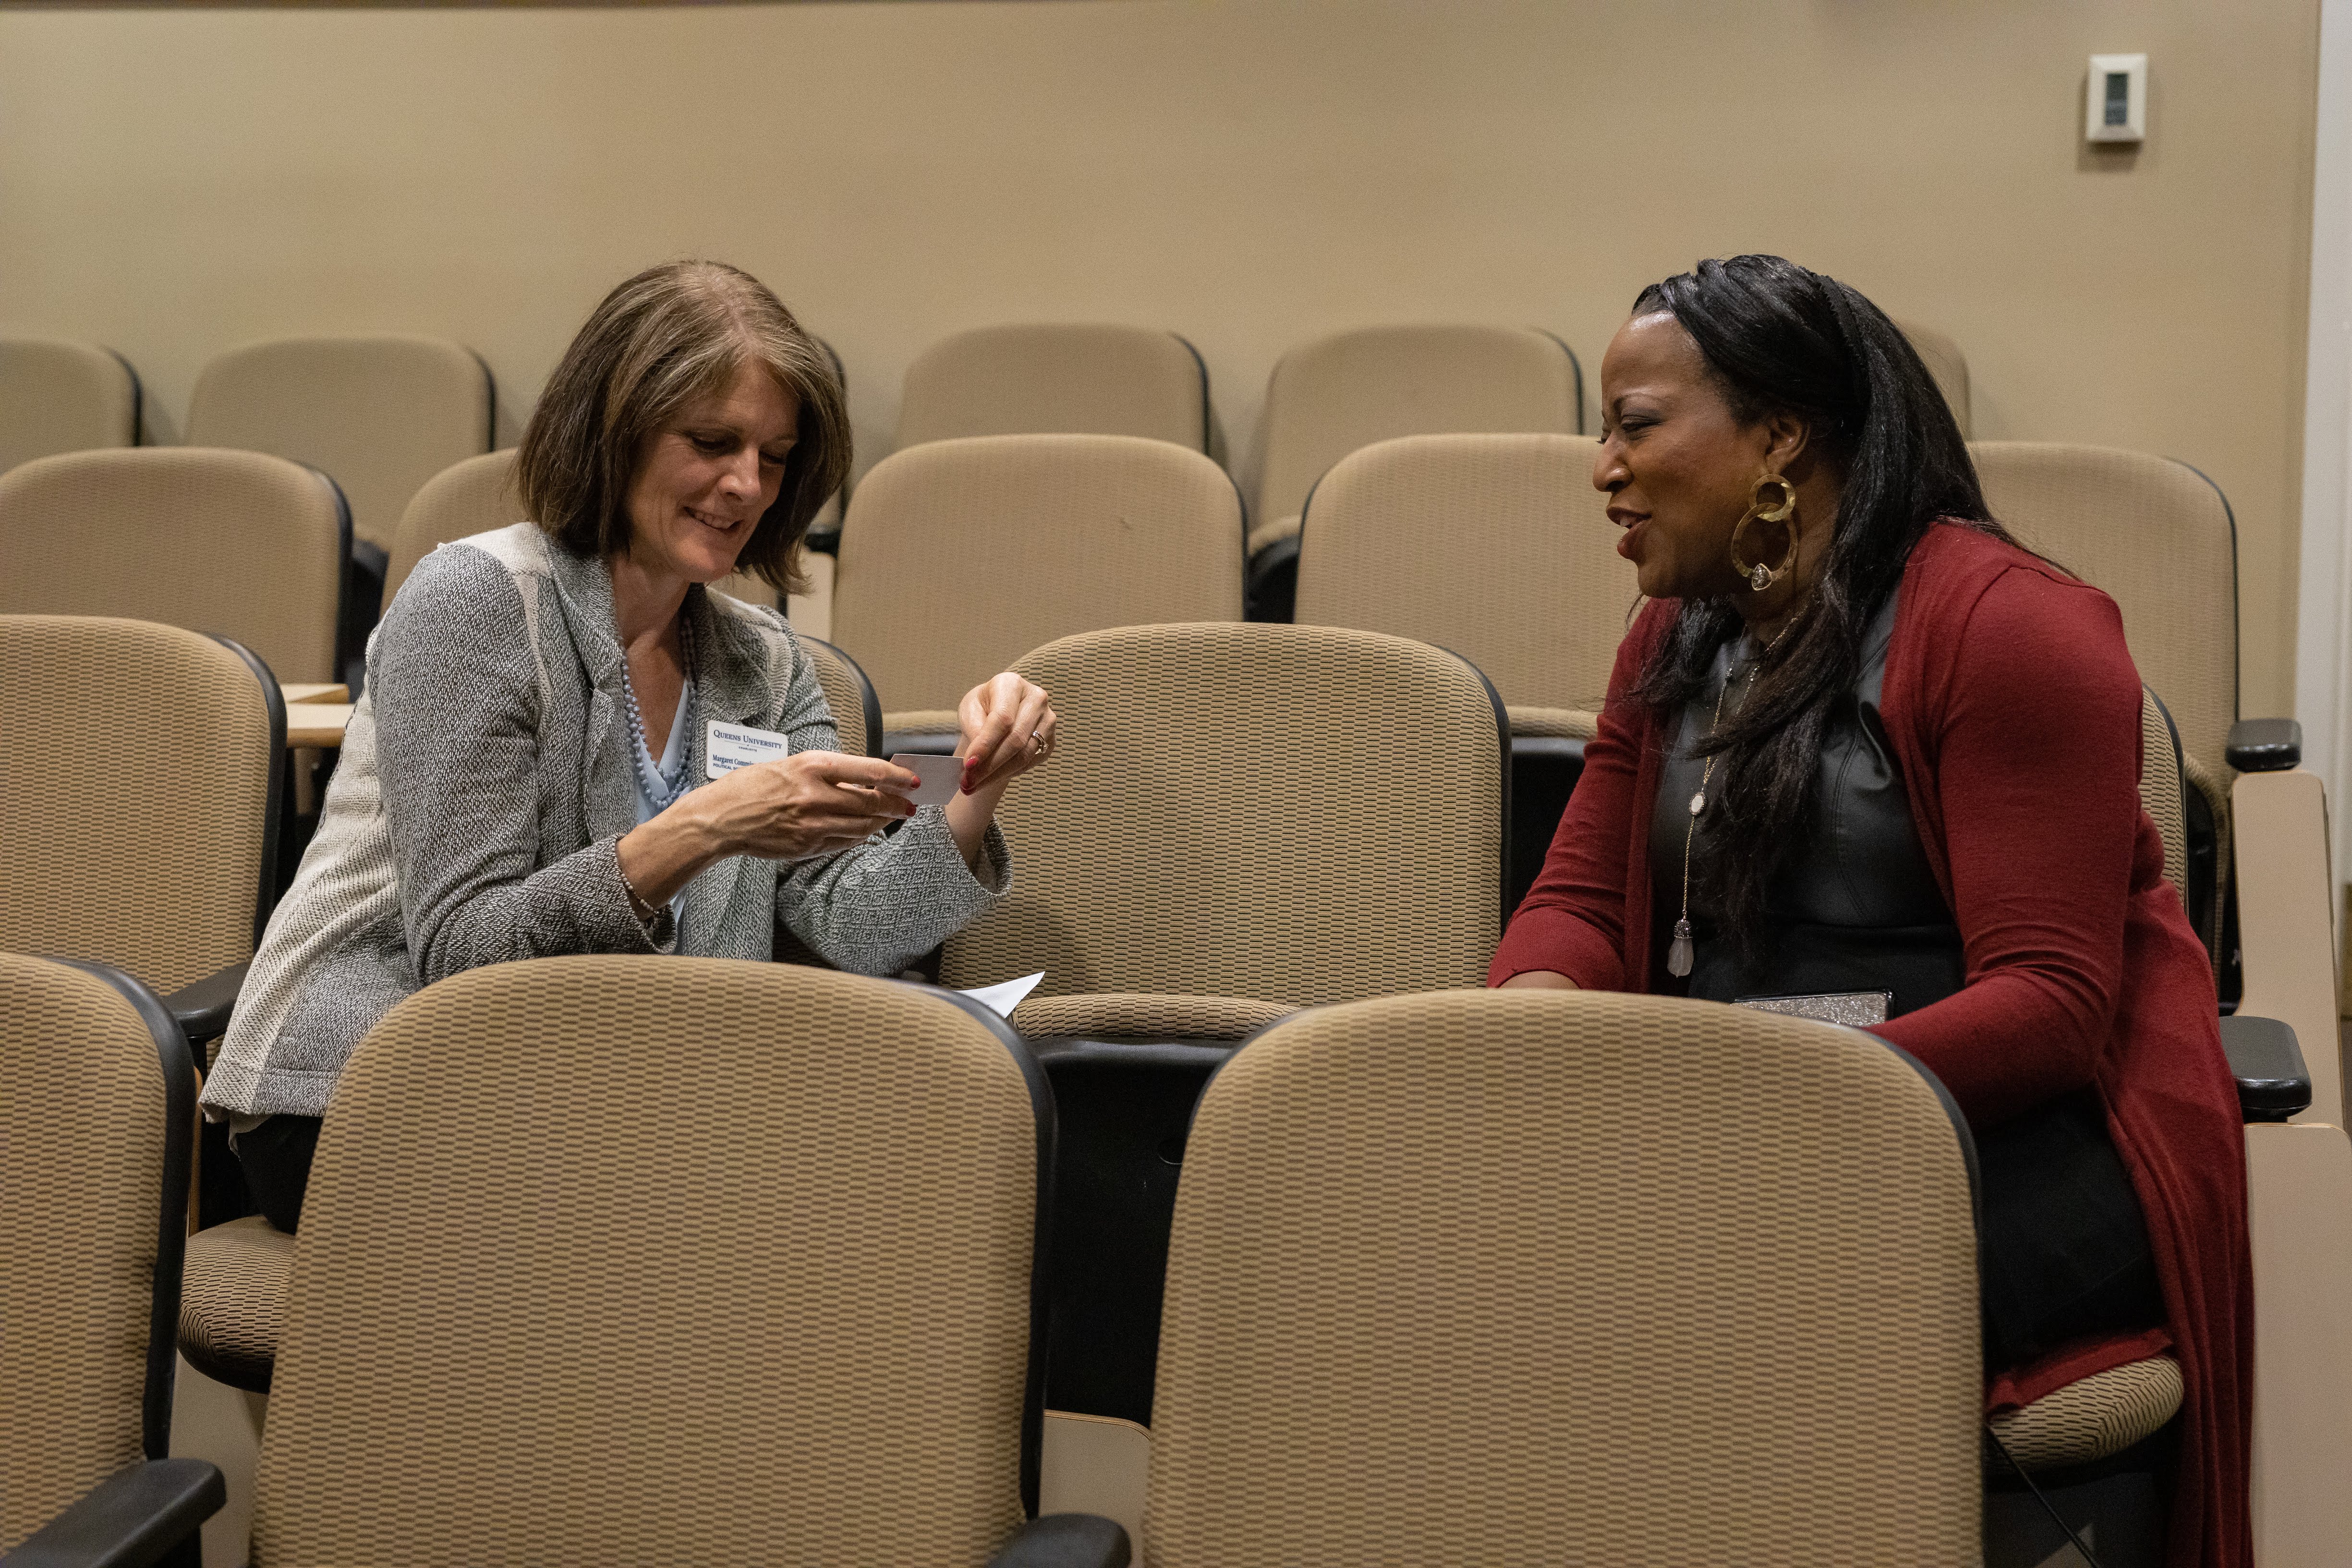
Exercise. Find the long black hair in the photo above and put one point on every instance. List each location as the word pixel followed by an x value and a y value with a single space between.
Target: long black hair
pixel 1779 339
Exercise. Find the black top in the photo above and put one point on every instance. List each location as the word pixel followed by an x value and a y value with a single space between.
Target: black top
pixel 1860 910
pixel 2064 1252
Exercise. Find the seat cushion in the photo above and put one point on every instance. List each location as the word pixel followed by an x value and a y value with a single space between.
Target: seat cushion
pixel 2094 1419
pixel 233 1301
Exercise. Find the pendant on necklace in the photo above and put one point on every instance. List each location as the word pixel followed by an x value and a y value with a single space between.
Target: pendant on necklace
pixel 1698 802
pixel 1678 956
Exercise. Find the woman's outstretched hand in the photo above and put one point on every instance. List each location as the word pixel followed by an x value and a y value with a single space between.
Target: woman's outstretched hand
pixel 1008 729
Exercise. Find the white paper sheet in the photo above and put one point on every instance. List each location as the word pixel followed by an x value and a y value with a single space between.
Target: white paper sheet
pixel 1006 996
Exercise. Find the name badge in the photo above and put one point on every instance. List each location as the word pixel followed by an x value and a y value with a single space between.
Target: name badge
pixel 726 747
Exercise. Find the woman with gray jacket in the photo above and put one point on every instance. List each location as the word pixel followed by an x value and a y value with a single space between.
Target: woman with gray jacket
pixel 524 774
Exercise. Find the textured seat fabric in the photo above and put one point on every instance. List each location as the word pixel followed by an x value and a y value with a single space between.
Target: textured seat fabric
pixel 238 544
pixel 636 1258
pixel 1450 1284
pixel 1057 378
pixel 1947 364
pixel 380 413
pixel 1496 547
pixel 1292 814
pixel 2158 537
pixel 137 829
pixel 2163 786
pixel 2094 1419
pixel 1128 1015
pixel 62 396
pixel 93 1199
pixel 958 556
pixel 233 1301
pixel 1331 396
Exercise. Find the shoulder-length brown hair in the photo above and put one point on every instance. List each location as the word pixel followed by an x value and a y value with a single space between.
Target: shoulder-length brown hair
pixel 669 335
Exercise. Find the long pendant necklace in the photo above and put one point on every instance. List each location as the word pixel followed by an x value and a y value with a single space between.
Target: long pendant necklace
pixel 1681 953
pixel 660 790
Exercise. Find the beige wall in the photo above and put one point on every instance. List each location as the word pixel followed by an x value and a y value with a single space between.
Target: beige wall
pixel 1248 172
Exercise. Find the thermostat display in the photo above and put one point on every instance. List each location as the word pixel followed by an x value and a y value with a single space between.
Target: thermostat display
pixel 2115 104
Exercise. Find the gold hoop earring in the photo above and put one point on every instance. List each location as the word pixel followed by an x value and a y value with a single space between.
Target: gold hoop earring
pixel 1760 576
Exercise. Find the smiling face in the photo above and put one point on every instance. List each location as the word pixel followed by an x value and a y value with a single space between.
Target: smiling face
pixel 1678 466
pixel 708 476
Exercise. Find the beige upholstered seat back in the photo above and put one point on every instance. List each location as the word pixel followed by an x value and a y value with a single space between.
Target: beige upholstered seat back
pixel 2163 789
pixel 236 544
pixel 855 713
pixel 137 821
pixel 1354 388
pixel 958 556
pixel 465 499
pixel 380 413
pixel 62 396
pixel 1048 378
pixel 1284 813
pixel 635 1259
pixel 2157 536
pixel 86 1184
pixel 1525 1277
pixel 1946 363
pixel 1497 547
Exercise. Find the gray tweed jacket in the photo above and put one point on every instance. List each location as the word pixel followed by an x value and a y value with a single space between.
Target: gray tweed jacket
pixel 486 778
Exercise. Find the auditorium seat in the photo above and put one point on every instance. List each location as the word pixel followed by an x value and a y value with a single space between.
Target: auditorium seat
pixel 93 1215
pixel 1499 548
pixel 2158 537
pixel 239 544
pixel 1527 1277
pixel 2299 1165
pixel 958 556
pixel 61 396
pixel 1239 820
pixel 821 1341
pixel 380 413
pixel 856 712
pixel 476 496
pixel 140 823
pixel 383 414
pixel 1946 364
pixel 1057 378
pixel 1329 397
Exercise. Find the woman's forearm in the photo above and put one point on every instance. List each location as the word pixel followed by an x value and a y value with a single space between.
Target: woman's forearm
pixel 661 857
pixel 968 816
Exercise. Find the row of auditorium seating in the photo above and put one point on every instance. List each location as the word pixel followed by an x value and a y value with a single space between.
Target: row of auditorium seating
pixel 1175 914
pixel 957 554
pixel 383 414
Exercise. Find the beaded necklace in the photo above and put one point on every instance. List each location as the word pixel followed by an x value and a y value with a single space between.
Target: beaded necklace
pixel 660 790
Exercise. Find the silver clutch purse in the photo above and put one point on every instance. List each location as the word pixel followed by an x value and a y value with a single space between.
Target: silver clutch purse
pixel 1854 1009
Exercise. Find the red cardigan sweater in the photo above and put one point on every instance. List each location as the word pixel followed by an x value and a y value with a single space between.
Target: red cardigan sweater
pixel 2013 710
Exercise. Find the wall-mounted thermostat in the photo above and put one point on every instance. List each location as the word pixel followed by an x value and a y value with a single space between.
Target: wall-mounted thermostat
pixel 2115 101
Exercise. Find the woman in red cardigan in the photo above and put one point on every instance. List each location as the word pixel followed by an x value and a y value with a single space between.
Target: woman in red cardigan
pixel 1860 746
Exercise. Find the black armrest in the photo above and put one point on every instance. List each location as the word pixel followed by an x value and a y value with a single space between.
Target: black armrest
pixel 202 1008
pixel 1064 1541
pixel 2265 745
pixel 825 543
pixel 2265 1058
pixel 132 1519
pixel 1270 582
pixel 363 605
